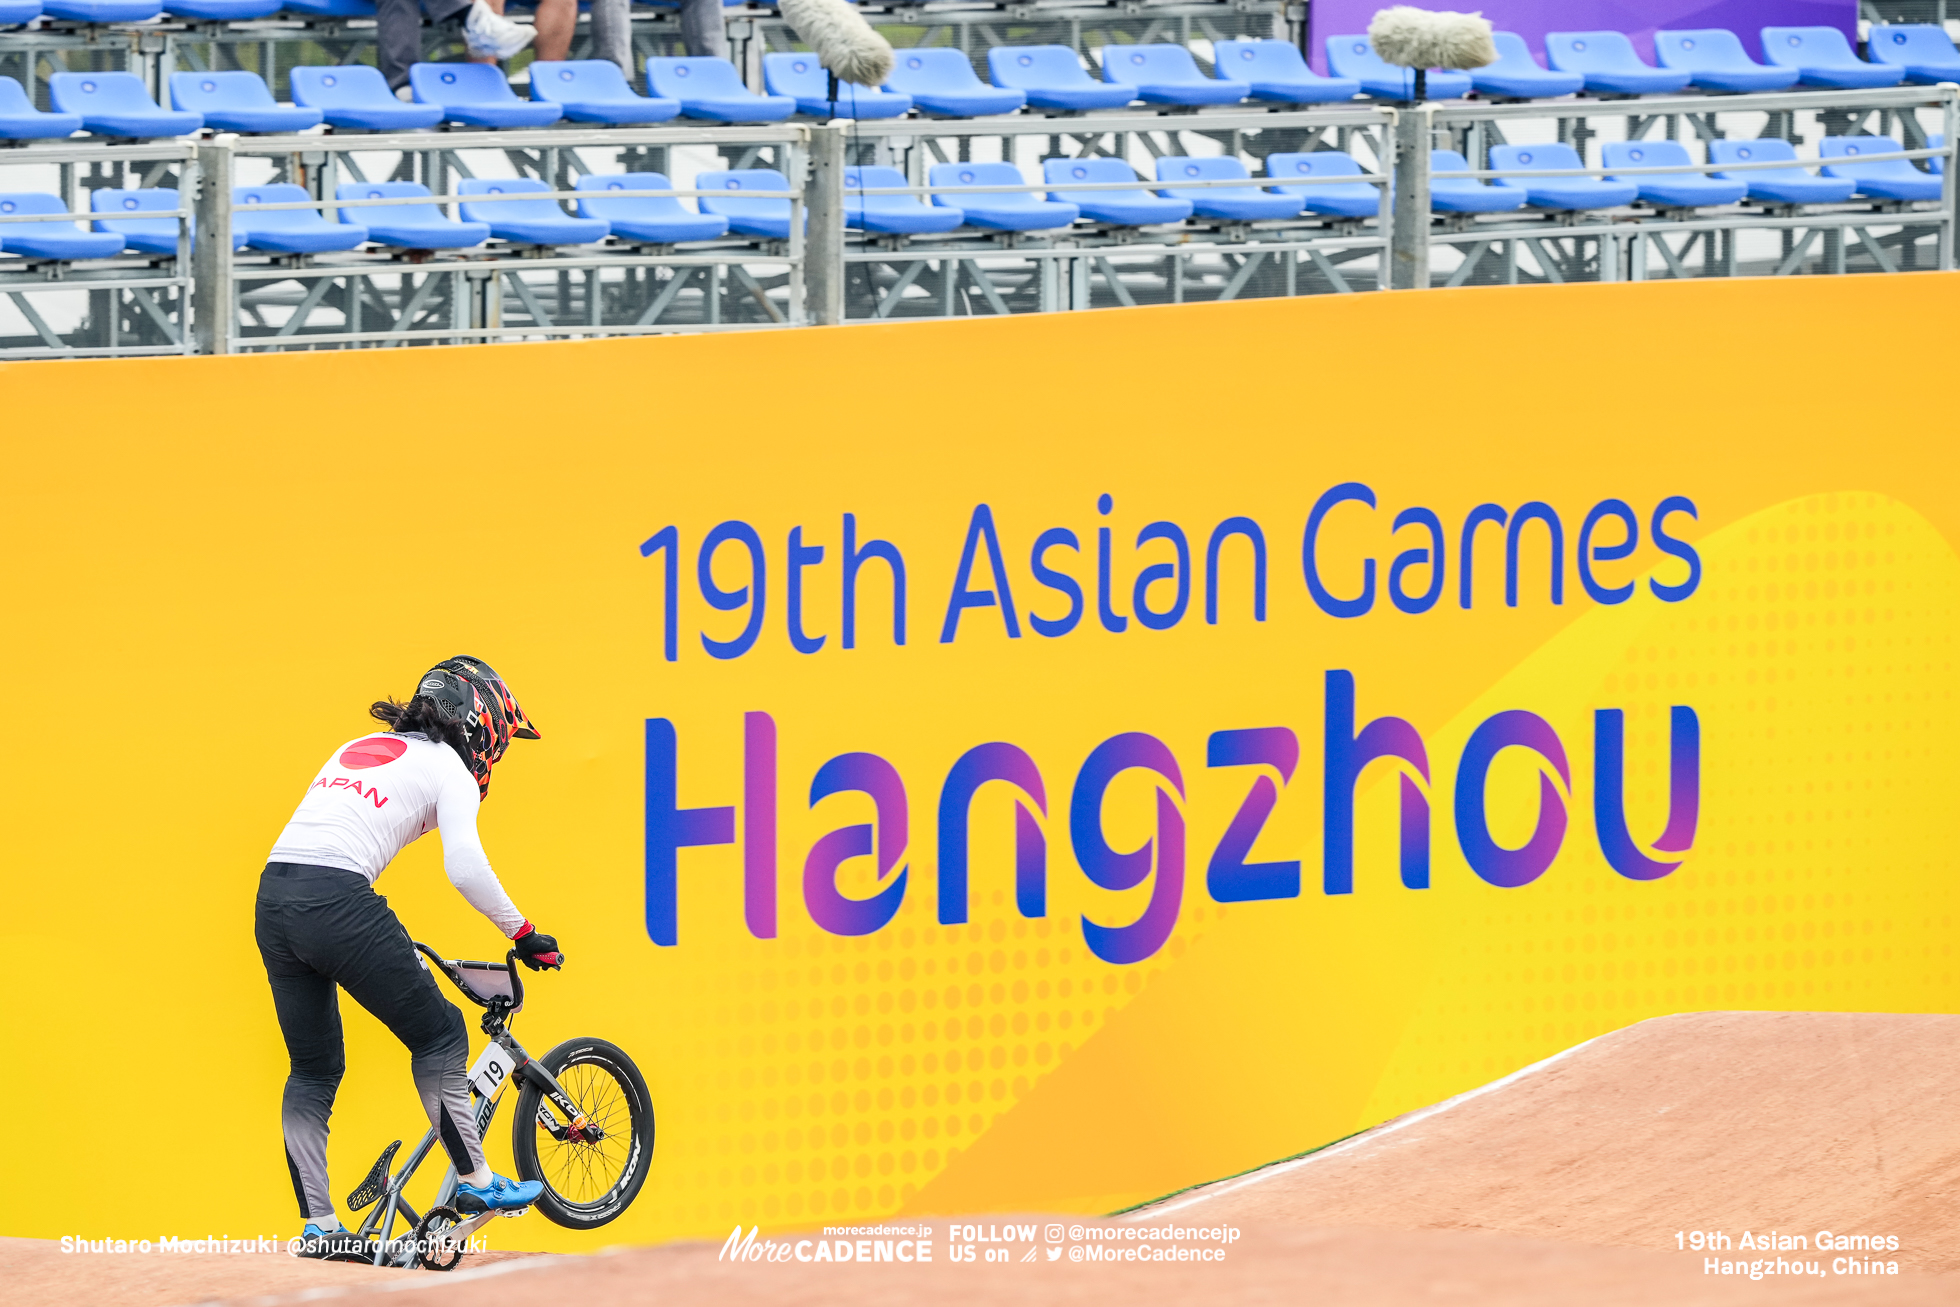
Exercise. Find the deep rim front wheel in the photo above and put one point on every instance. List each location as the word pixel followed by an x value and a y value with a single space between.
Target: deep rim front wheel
pixel 592 1163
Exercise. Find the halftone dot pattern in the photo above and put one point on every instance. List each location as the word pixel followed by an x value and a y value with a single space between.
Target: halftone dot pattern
pixel 1821 648
pixel 858 1068
pixel 850 1072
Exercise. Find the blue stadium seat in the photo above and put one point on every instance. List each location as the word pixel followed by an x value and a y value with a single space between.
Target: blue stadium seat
pixel 1232 203
pixel 998 210
pixel 711 89
pixel 1923 50
pixel 1714 57
pixel 1449 194
pixel 331 8
pixel 57 238
pixel 1824 58
pixel 804 80
pixel 1355 57
pixel 1936 165
pixel 1167 74
pixel 904 215
pixel 1052 77
pixel 527 222
pixel 414 224
pixel 1777 185
pixel 1517 76
pixel 356 97
pixel 1888 179
pixel 144 235
pixel 221 11
pixel 1277 71
pixel 595 91
pixel 655 219
pixel 746 216
pixel 15 12
pixel 941 82
pixel 237 102
pixel 1136 208
pixel 21 121
pixel 117 104
pixel 478 95
pixel 1558 192
pixel 1330 199
pixel 1609 64
pixel 1672 190
pixel 103 11
pixel 290 231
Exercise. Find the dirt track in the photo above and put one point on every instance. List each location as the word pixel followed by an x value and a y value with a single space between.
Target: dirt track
pixel 1562 1185
pixel 1797 1122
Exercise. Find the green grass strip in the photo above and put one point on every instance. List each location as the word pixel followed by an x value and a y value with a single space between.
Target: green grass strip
pixel 1152 1202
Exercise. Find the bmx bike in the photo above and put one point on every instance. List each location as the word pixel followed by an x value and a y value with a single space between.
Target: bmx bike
pixel 583 1126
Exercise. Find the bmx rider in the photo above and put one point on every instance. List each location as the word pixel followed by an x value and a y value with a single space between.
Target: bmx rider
pixel 321 927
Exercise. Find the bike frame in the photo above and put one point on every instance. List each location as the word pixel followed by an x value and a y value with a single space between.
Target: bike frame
pixel 498 1073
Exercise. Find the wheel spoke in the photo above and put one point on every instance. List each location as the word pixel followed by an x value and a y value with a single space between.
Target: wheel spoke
pixel 585 1172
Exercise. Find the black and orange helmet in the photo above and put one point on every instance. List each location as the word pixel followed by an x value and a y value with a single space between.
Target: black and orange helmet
pixel 467 692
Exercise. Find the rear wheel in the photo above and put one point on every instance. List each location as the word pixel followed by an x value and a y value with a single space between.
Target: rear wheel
pixel 592 1163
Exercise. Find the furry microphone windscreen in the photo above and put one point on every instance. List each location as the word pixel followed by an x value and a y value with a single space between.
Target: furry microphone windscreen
pixel 842 41
pixel 1420 38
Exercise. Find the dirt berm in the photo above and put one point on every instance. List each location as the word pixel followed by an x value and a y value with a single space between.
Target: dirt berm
pixel 1565 1183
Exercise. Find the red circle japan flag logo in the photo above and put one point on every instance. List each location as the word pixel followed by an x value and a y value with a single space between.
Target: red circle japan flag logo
pixel 372 753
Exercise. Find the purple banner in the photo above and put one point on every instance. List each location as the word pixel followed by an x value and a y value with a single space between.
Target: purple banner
pixel 1639 19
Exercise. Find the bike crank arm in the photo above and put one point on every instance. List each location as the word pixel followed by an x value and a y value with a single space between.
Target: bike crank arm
pixel 471 1226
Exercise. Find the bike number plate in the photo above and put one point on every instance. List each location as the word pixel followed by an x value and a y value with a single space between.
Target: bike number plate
pixel 492 1069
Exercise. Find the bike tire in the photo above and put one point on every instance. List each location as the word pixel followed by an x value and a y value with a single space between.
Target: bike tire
pixel 602 1072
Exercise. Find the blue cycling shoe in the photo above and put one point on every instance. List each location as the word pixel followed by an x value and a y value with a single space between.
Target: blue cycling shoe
pixel 500 1195
pixel 330 1245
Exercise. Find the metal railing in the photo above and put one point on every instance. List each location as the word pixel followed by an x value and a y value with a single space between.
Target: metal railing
pixel 129 305
pixel 408 297
pixel 1631 244
pixel 826 272
pixel 1092 265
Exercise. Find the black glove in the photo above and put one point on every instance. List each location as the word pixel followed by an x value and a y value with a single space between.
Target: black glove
pixel 537 950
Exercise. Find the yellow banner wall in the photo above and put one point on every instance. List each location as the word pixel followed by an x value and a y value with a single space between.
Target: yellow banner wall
pixel 213 566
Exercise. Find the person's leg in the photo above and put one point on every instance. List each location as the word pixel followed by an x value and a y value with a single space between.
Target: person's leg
pixel 556 21
pixel 309 1018
pixel 366 950
pixel 703 28
pixel 612 34
pixel 398 39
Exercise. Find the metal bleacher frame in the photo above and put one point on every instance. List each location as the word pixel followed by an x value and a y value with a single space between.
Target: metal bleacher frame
pixel 272 46
pixel 136 303
pixel 1616 245
pixel 365 299
pixel 459 296
pixel 1099 266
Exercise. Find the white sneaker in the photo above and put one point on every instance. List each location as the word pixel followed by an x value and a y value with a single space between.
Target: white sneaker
pixel 488 32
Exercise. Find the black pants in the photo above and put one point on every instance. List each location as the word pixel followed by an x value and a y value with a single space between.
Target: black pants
pixel 321 929
pixel 399 33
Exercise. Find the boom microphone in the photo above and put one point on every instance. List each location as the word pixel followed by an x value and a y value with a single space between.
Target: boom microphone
pixel 842 41
pixel 1420 38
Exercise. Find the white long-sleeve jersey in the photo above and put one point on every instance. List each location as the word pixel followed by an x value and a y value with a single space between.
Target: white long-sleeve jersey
pixel 377 795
